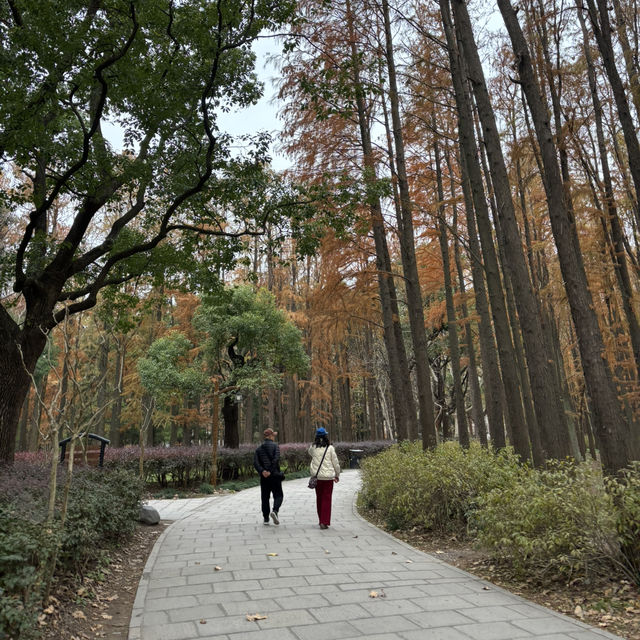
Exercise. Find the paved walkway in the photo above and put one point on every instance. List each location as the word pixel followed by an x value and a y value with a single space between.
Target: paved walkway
pixel 219 563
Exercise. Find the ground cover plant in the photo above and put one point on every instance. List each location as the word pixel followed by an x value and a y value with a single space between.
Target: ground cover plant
pixel 102 511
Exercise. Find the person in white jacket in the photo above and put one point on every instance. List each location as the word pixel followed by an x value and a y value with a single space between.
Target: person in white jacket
pixel 324 464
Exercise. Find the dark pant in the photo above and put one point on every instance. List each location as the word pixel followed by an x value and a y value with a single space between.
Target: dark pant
pixel 324 491
pixel 270 486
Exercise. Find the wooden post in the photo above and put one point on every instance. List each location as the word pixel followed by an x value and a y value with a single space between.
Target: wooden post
pixel 215 428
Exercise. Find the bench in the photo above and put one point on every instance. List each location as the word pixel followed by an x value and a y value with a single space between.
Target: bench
pixel 93 454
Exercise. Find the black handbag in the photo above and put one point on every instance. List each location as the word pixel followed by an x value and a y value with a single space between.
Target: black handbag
pixel 313 480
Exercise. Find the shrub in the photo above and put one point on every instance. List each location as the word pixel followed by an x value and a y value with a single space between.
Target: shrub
pixel 25 548
pixel 206 488
pixel 191 466
pixel 434 489
pixel 625 491
pixel 560 519
pixel 103 507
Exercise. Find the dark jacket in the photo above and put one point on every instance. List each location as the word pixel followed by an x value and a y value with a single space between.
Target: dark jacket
pixel 267 457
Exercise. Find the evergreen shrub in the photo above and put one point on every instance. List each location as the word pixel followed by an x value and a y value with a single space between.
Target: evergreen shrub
pixel 559 520
pixel 103 507
pixel 434 489
pixel 625 491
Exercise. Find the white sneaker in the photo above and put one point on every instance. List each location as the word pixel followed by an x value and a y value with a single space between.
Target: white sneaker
pixel 274 517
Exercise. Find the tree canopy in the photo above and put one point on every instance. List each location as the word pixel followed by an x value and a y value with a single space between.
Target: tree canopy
pixel 250 341
pixel 81 214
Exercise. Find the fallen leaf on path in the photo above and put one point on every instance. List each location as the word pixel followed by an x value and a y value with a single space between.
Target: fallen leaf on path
pixel 272 554
pixel 252 617
pixel 203 621
pixel 373 594
pixel 217 568
pixel 409 561
pixel 79 615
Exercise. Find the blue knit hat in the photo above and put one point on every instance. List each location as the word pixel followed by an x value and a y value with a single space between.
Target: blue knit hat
pixel 321 432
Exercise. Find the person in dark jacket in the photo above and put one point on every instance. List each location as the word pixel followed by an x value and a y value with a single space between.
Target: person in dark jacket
pixel 266 460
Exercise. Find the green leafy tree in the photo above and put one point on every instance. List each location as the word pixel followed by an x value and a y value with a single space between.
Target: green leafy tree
pixel 251 344
pixel 86 216
pixel 166 371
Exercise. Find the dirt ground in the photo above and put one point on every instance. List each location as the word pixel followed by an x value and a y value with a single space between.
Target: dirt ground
pixel 101 606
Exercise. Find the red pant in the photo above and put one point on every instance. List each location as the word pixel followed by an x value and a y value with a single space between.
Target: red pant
pixel 324 491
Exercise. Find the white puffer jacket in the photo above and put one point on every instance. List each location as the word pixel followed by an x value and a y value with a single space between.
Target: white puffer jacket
pixel 330 466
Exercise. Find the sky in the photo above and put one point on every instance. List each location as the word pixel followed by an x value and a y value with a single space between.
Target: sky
pixel 261 116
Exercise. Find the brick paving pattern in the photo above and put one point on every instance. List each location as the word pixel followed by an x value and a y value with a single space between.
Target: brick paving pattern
pixel 313 584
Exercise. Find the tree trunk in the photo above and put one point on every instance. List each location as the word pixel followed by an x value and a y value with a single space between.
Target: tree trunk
pixel 610 425
pixel 116 404
pixel 454 347
pixel 173 429
pixel 230 416
pixel 103 365
pixel 15 378
pixel 23 429
pixel 401 393
pixel 344 394
pixel 249 403
pixel 477 411
pixel 471 168
pixel 407 250
pixel 546 399
pixel 617 234
pixel 601 24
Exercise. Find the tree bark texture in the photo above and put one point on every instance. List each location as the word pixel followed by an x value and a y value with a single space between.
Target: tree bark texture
pixel 546 399
pixel 493 387
pixel 610 425
pixel 599 18
pixel 454 346
pixel 471 167
pixel 230 417
pixel 408 253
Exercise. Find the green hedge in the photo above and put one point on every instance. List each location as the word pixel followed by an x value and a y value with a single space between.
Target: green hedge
pixel 559 520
